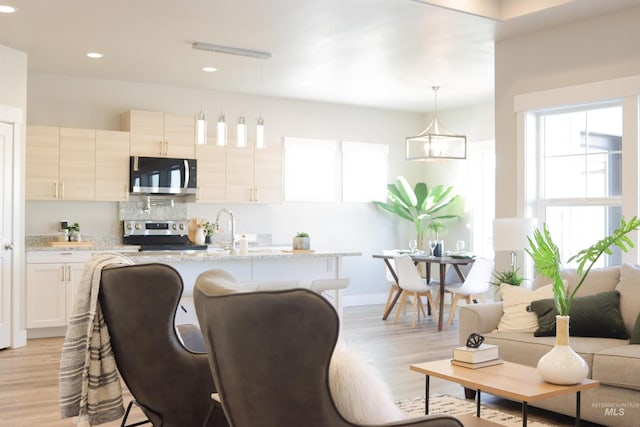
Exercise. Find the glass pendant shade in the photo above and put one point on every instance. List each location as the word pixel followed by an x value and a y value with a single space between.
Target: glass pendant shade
pixel 260 133
pixel 435 142
pixel 221 131
pixel 201 128
pixel 242 133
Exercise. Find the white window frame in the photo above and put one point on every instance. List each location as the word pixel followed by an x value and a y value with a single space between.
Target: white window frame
pixel 627 90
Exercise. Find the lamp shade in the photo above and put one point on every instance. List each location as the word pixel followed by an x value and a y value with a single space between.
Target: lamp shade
pixel 510 234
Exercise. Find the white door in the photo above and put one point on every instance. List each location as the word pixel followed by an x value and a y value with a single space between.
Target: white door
pixel 6 244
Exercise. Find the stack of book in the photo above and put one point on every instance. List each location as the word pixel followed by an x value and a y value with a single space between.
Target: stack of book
pixel 485 355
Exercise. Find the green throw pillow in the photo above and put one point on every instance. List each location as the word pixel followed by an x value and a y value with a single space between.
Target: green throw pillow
pixel 590 316
pixel 635 335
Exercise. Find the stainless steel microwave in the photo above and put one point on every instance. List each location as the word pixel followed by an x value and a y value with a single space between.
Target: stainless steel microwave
pixel 162 175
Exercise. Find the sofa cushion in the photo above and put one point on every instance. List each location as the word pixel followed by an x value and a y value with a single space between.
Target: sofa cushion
pixel 515 300
pixel 618 366
pixel 635 334
pixel 590 316
pixel 629 288
pixel 598 280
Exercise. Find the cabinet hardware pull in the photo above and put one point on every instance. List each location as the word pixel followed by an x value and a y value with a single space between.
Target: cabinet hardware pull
pixel 55 189
pixel 255 194
pixel 9 246
pixel 62 190
pixel 62 273
pixel 69 273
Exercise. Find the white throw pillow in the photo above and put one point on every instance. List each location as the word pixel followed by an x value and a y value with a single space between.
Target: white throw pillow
pixel 360 395
pixel 515 300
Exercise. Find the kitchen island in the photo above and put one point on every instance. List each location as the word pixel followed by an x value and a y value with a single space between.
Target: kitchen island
pixel 53 274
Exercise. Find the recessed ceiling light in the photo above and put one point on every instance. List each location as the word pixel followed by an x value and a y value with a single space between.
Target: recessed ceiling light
pixel 209 69
pixel 7 9
pixel 94 55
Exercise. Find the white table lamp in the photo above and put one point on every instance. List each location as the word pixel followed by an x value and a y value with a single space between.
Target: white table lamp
pixel 510 234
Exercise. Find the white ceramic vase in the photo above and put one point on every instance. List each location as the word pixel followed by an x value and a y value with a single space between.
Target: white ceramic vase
pixel 200 236
pixel 562 365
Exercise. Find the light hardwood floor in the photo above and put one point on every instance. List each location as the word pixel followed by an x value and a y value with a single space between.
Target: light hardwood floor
pixel 29 375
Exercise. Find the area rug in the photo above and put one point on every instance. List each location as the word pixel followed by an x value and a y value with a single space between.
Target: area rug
pixel 443 404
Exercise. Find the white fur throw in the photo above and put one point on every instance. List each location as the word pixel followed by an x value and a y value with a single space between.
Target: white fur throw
pixel 359 393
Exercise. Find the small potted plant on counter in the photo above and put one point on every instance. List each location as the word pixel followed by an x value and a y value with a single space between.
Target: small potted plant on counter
pixel 209 229
pixel 74 232
pixel 301 241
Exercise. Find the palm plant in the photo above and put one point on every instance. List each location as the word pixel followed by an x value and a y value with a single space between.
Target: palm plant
pixel 546 257
pixel 420 204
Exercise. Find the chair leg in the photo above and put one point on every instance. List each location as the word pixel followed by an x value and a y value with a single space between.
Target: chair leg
pixel 454 304
pixel 421 305
pixel 403 297
pixel 126 415
pixel 430 301
pixel 392 290
pixel 415 309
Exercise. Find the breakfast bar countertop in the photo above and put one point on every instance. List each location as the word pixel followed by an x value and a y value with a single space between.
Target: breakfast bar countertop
pixel 220 255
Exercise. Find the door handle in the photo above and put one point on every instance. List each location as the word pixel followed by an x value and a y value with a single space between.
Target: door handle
pixel 9 246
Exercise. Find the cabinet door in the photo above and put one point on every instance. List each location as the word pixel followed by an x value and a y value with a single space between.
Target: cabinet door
pixel 211 172
pixel 239 174
pixel 147 132
pixel 46 295
pixel 73 276
pixel 112 165
pixel 180 136
pixel 42 162
pixel 77 164
pixel 268 174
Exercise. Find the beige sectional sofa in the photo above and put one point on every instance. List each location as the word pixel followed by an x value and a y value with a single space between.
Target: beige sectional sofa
pixel 612 361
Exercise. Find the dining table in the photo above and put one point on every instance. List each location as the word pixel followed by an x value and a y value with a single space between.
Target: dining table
pixel 420 257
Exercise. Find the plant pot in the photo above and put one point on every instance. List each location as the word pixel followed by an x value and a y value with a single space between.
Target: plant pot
pixel 301 243
pixel 562 365
pixel 207 239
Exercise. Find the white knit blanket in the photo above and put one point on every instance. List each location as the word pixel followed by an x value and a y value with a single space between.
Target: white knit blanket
pixel 89 384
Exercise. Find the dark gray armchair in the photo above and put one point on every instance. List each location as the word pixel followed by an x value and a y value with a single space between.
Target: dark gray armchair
pixel 269 354
pixel 171 384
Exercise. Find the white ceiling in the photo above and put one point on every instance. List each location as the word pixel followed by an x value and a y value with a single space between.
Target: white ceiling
pixel 378 53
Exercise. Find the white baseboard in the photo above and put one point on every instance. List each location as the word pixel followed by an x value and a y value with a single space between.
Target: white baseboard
pixel 364 299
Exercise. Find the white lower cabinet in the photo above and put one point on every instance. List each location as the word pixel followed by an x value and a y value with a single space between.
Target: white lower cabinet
pixel 52 281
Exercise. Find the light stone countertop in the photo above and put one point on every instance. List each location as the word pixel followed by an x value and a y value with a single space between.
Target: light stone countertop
pixel 213 254
pixel 218 255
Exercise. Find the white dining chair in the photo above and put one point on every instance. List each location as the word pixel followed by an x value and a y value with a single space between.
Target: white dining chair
pixel 475 286
pixel 413 285
pixel 393 286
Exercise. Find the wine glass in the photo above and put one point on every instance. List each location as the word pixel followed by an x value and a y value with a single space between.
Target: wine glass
pixel 432 246
pixel 460 245
pixel 413 245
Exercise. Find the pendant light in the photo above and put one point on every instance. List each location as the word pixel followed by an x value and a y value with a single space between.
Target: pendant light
pixel 201 128
pixel 260 133
pixel 242 132
pixel 221 131
pixel 435 142
pixel 260 124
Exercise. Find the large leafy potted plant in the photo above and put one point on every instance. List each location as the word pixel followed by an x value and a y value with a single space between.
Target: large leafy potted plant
pixel 421 205
pixel 562 365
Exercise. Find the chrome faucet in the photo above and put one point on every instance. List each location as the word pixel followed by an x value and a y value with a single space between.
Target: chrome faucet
pixel 232 246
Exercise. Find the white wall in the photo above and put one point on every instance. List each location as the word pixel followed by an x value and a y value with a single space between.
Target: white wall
pixel 13 78
pixel 593 50
pixel 76 102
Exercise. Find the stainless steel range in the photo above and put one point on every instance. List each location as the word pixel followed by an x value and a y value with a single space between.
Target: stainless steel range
pixel 159 235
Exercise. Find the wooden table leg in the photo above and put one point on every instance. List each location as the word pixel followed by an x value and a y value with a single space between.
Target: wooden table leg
pixel 393 303
pixel 398 292
pixel 441 311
